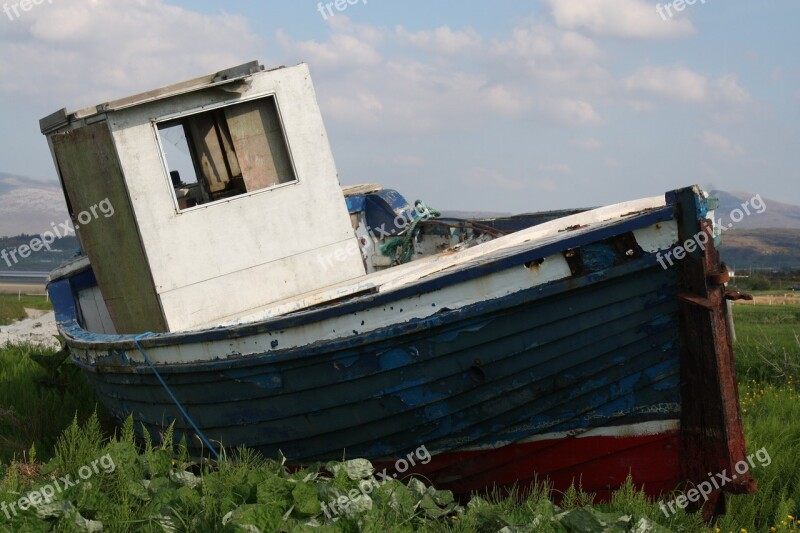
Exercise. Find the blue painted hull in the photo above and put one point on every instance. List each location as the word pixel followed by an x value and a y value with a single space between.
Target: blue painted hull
pixel 598 353
pixel 568 361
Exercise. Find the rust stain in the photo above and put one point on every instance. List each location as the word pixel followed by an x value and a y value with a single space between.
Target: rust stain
pixel 573 228
pixel 712 435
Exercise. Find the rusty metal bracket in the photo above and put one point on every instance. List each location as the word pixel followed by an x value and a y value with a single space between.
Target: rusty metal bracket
pixel 693 299
pixel 720 277
pixel 736 295
pixel 712 436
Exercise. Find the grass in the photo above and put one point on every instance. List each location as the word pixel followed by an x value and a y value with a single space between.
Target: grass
pixel 146 488
pixel 12 307
pixel 160 489
pixel 771 414
pixel 768 342
pixel 37 402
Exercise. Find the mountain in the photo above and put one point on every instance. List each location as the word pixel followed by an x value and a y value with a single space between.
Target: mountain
pixel 775 214
pixel 767 240
pixel 763 248
pixel 29 205
pixel 770 239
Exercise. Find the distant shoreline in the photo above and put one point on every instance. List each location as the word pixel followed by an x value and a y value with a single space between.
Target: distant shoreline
pixel 9 288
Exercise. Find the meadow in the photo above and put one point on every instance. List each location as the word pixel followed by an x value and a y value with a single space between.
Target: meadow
pixel 12 307
pixel 50 426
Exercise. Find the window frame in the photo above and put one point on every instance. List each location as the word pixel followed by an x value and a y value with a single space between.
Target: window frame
pixel 156 122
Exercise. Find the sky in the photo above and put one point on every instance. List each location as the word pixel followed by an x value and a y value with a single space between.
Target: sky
pixel 504 106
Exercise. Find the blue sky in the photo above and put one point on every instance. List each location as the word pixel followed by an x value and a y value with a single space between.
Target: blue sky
pixel 501 106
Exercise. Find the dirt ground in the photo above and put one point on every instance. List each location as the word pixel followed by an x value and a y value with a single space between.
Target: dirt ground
pixel 38 329
pixel 786 299
pixel 13 288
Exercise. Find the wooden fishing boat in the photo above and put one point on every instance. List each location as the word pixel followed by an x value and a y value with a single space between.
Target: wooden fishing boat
pixel 260 304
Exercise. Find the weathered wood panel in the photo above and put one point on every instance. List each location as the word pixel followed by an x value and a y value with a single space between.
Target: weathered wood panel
pixel 94 311
pixel 259 143
pixel 203 131
pixel 91 173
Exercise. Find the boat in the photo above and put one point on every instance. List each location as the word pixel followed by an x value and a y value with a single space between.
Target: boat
pixel 233 289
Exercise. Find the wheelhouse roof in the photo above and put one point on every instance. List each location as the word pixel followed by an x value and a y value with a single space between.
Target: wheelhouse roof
pixel 228 76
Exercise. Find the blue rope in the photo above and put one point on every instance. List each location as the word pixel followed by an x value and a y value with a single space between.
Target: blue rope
pixel 174 399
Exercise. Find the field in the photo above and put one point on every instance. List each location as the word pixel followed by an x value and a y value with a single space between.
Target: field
pixel 48 427
pixel 13 307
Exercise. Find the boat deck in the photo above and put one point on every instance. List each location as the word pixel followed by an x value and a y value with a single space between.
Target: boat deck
pixel 407 274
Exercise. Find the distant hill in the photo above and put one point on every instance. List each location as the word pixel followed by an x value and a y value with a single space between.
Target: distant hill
pixel 29 205
pixel 769 240
pixel 776 215
pixel 771 248
pixel 38 261
pixel 474 214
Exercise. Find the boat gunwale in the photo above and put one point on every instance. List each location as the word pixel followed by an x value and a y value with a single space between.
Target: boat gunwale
pixel 555 290
pixel 80 338
pixel 395 330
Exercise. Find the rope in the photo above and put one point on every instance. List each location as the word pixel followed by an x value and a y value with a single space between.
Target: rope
pixel 174 399
pixel 401 248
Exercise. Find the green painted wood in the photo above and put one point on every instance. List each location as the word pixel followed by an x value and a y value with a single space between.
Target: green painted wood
pixel 90 171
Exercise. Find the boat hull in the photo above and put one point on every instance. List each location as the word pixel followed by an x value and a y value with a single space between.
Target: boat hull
pixel 597 462
pixel 580 379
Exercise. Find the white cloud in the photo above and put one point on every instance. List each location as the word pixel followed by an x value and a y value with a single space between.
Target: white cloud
pixel 549 61
pixel 340 51
pixel 441 40
pixel 63 52
pixel 640 106
pixel 671 83
pixel 407 160
pixel 729 91
pixel 577 45
pixel 588 144
pixel 362 104
pixel 507 101
pixel 539 41
pixel 618 18
pixel 525 42
pixel 723 144
pixel 350 45
pixel 481 177
pixel 546 185
pixel 559 168
pixel 578 112
pixel 537 71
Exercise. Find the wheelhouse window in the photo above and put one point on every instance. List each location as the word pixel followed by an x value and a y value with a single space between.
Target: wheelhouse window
pixel 226 152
